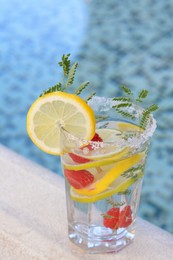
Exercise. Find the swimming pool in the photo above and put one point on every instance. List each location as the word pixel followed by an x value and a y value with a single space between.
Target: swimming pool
pixel 127 42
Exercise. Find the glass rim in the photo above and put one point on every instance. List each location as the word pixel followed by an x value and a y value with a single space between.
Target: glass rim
pixel 136 140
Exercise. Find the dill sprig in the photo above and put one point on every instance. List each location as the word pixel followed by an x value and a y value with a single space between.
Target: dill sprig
pixel 69 72
pixel 128 101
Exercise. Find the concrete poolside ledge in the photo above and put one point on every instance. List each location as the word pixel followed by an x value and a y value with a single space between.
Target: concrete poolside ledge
pixel 33 223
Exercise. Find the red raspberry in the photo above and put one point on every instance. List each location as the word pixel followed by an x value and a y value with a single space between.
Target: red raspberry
pixel 115 219
pixel 78 159
pixel 79 179
pixel 96 138
pixel 111 219
pixel 125 217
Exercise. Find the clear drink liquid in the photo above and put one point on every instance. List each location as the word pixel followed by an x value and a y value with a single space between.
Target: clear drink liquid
pixel 101 215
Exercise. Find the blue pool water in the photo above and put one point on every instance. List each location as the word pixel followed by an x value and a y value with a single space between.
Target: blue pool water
pixel 115 42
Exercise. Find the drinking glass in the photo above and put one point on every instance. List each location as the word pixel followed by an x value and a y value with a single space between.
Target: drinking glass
pixel 104 187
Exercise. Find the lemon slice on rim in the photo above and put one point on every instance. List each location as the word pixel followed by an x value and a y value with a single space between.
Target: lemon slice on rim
pixel 54 114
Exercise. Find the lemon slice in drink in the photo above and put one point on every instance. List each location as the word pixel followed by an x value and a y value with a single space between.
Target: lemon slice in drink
pixel 108 134
pixel 124 126
pixel 110 176
pixel 108 153
pixel 54 114
pixel 119 185
pixel 69 164
pixel 110 148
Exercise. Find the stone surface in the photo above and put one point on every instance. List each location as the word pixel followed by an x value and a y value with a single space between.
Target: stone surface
pixel 33 223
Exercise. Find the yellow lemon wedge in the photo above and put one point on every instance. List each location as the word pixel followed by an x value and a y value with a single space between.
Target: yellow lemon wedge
pixel 109 177
pixel 110 148
pixel 54 114
pixel 108 153
pixel 124 126
pixel 108 134
pixel 69 164
pixel 119 185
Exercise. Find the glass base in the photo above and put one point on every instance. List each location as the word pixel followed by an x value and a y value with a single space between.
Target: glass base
pixel 100 240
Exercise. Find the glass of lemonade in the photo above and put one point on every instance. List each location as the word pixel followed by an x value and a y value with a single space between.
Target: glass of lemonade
pixel 104 179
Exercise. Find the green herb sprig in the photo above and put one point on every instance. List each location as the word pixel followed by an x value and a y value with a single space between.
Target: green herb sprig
pixel 69 72
pixel 126 192
pixel 126 101
pixel 129 100
pixel 134 172
pixel 114 203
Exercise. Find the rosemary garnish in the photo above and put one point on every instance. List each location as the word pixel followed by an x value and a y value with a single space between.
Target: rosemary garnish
pixel 128 101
